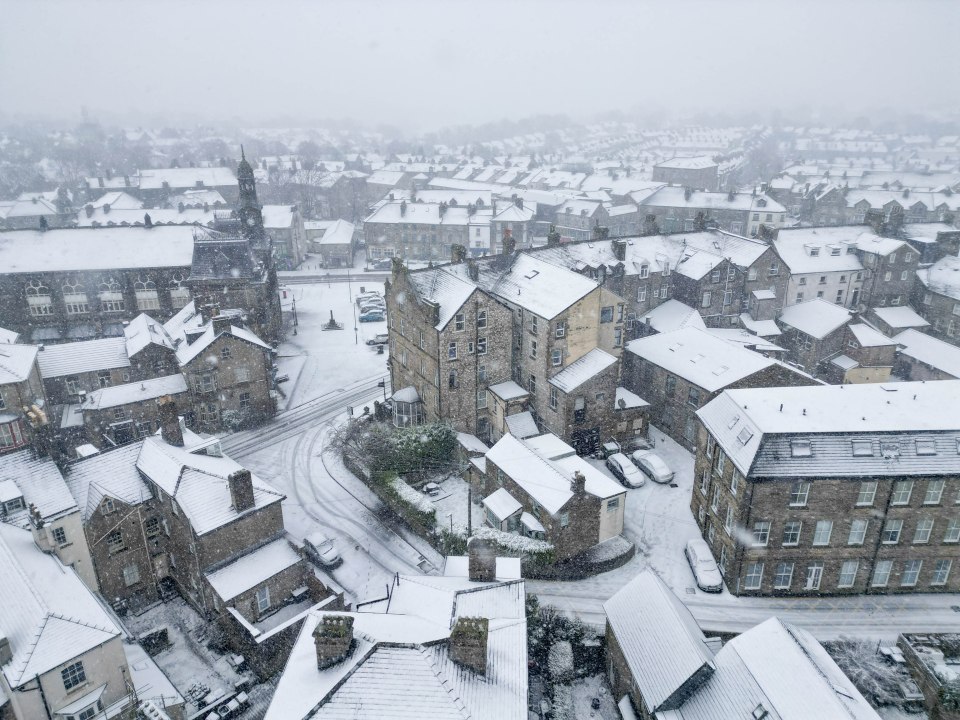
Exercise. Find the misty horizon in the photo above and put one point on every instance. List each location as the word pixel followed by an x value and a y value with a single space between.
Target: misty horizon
pixel 421 66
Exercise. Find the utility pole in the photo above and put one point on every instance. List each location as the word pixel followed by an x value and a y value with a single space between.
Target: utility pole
pixel 295 323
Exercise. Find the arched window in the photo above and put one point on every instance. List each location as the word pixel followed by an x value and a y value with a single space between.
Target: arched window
pixel 146 291
pixel 38 299
pixel 179 292
pixel 111 296
pixel 75 296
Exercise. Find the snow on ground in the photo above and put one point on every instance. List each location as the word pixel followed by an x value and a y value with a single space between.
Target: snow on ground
pixel 451 505
pixel 893 713
pixel 588 688
pixel 331 358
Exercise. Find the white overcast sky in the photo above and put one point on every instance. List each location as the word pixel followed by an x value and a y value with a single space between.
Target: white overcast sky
pixel 421 64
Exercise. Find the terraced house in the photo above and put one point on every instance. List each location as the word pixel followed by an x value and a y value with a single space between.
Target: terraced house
pixel 834 489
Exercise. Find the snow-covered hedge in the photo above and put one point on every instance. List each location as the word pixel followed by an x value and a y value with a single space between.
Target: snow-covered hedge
pixel 562 702
pixel 412 497
pixel 560 662
pixel 513 542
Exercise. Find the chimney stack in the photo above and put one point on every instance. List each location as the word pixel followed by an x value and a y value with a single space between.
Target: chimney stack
pixel 333 639
pixel 482 560
pixel 6 654
pixel 458 253
pixel 241 489
pixel 221 324
pixel 620 250
pixel 473 269
pixel 468 643
pixel 509 244
pixel 579 483
pixel 208 311
pixel 170 422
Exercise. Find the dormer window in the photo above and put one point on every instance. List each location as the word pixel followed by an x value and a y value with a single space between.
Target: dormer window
pixel 814 251
pixel 862 448
pixel 759 712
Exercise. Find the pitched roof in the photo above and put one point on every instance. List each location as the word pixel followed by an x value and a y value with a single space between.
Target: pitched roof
pixel 673 315
pixel 16 362
pixel 449 291
pixel 583 369
pixel 661 642
pixel 900 317
pixel 699 357
pixel 199 483
pixel 49 616
pixel 143 331
pixel 117 395
pixel 929 350
pixel 112 473
pixel 250 570
pixel 84 356
pixel 40 483
pixel 942 277
pixel 816 318
pixel 222 257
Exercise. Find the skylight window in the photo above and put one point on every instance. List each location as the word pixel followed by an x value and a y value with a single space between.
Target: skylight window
pixel 926 447
pixel 736 419
pixel 745 435
pixel 862 448
pixel 759 712
pixel 532 274
pixel 720 370
pixel 800 448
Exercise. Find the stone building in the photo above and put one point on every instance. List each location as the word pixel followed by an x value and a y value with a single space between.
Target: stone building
pixel 425 231
pixel 21 390
pixel 936 296
pixel 845 489
pixel 693 172
pixel 332 240
pixel 660 665
pixel 677 209
pixel 577 218
pixel 813 333
pixel 679 372
pixel 539 487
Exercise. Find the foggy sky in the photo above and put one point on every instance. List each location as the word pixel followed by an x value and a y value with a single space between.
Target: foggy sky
pixel 422 64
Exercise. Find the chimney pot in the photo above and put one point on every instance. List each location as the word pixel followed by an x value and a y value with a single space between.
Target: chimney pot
pixel 468 643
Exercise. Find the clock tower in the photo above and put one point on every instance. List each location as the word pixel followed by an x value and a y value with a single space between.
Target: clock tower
pixel 248 209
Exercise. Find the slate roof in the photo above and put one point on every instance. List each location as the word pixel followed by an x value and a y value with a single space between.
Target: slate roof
pixel 673 315
pixel 816 318
pixel 699 357
pixel 930 351
pixel 522 425
pixel 942 277
pixel 118 395
pixel 583 369
pixel 111 473
pixel 16 362
pixel 48 616
pixel 223 258
pixel 756 428
pixel 82 357
pixel 900 317
pixel 252 569
pixel 40 483
pixel 144 331
pixel 199 484
pixel 661 642
pixel 446 289
pixel 400 666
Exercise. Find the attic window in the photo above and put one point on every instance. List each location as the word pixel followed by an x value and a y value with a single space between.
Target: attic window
pixel 834 250
pixel 890 449
pixel 814 251
pixel 862 448
pixel 926 447
pixel 800 448
pixel 532 274
pixel 735 420
pixel 745 435
pixel 720 370
pixel 759 712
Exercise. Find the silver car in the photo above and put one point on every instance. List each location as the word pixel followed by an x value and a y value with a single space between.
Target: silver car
pixel 623 469
pixel 705 570
pixel 652 466
pixel 320 549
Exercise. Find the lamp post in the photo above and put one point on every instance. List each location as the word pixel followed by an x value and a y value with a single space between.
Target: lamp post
pixel 295 321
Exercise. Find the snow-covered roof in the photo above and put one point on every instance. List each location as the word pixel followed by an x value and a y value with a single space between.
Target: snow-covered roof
pixel 816 318
pixel 16 362
pixel 508 568
pixel 49 616
pixel 8 336
pixel 400 666
pixel 508 390
pixel 522 425
pixel 109 248
pixel 673 315
pixel 471 443
pixel 449 291
pixel 40 483
pixel 252 569
pixel 780 667
pixel 630 400
pixel 408 394
pixel 701 162
pixel 548 481
pixel 942 277
pixel 199 484
pixel 756 428
pixel 760 328
pixel 502 504
pixel 673 196
pixel 112 473
pixel 338 232
pixel 143 331
pixel 900 317
pixel 82 357
pixel 822 249
pixel 159 217
pixel 930 351
pixel 117 395
pixel 699 357
pixel 583 369
pixel 188 351
pixel 193 177
pixel 278 216
pixel 660 641
pixel 869 337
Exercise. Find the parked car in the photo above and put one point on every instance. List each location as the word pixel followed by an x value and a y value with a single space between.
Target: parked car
pixel 320 549
pixel 625 471
pixel 369 295
pixel 653 466
pixel 372 315
pixel 705 570
pixel 431 489
pixel 378 339
pixel 368 306
pixel 385 264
